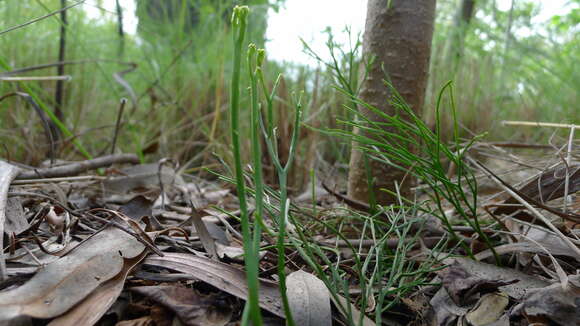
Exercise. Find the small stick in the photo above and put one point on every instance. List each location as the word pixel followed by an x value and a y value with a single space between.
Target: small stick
pixel 78 167
pixel 118 124
pixel 41 17
pixel 56 180
pixel 568 163
pixel 538 124
pixel 36 78
pixel 520 145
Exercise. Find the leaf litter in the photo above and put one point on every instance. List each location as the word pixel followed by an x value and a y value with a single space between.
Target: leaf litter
pixel 139 245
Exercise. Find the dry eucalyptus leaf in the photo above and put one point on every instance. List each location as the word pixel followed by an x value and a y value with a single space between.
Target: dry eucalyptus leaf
pixel 466 288
pixel 309 299
pixel 222 276
pixel 444 310
pixel 491 272
pixel 230 252
pixel 137 208
pixel 488 309
pixel 555 304
pixel 548 185
pixel 62 284
pixel 91 309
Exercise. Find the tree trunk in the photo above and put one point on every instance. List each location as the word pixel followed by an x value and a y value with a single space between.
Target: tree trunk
pixel 460 26
pixel 120 30
pixel 399 38
pixel 59 93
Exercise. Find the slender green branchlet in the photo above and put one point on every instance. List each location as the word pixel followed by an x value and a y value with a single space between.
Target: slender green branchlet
pixel 260 57
pixel 239 23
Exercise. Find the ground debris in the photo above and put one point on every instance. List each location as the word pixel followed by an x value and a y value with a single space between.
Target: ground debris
pixel 147 245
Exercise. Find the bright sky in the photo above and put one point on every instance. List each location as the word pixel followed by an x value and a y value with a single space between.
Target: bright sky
pixel 307 19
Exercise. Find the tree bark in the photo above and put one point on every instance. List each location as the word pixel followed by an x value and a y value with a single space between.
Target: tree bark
pixel 399 37
pixel 59 93
pixel 456 42
pixel 120 30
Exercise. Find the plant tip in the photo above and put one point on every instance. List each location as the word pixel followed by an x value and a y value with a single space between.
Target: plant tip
pixel 261 57
pixel 240 14
pixel 251 49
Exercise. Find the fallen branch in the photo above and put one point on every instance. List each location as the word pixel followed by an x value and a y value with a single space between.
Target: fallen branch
pixel 78 167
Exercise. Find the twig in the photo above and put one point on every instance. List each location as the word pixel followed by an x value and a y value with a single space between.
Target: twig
pixel 118 124
pixel 568 163
pixel 59 92
pixel 538 124
pixel 520 145
pixel 36 78
pixel 429 242
pixel 79 167
pixel 120 30
pixel 60 63
pixel 56 180
pixel 41 17
pixel 349 201
pixel 134 229
pixel 119 78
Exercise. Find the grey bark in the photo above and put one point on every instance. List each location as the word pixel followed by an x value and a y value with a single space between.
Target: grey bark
pixel 462 21
pixel 59 93
pixel 399 37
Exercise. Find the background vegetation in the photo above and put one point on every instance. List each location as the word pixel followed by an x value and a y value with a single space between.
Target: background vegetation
pixel 510 67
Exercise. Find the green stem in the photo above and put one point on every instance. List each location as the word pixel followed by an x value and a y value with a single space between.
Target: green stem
pixel 239 22
pixel 256 148
pixel 284 203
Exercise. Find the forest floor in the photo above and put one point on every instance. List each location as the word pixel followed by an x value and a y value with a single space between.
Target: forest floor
pixel 113 242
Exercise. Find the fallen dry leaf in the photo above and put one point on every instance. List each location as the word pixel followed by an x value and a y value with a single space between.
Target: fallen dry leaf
pixel 489 309
pixel 465 288
pixel 91 309
pixel 491 272
pixel 309 299
pixel 222 276
pixel 137 208
pixel 62 284
pixel 553 304
pixel 548 185
pixel 445 311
